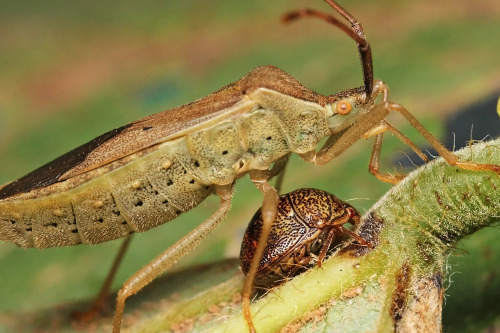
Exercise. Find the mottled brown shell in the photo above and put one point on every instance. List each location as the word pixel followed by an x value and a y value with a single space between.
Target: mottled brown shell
pixel 305 217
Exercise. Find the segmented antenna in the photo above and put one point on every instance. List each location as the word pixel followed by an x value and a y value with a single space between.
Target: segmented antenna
pixel 355 32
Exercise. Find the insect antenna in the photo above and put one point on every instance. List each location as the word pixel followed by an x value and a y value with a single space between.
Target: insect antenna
pixel 355 32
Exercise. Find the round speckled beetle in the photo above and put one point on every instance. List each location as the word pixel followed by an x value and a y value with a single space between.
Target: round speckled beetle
pixel 308 222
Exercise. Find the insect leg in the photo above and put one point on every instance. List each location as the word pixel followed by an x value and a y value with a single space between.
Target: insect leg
pixel 334 146
pixel 445 153
pixel 268 213
pixel 169 257
pixel 377 147
pixel 354 235
pixel 330 237
pixel 385 126
pixel 103 294
pixel 279 169
pixel 374 164
pixel 326 245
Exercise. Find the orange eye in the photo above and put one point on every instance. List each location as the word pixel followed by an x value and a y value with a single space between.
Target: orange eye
pixel 344 107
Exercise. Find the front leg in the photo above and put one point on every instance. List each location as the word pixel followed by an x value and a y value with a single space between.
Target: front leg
pixel 336 144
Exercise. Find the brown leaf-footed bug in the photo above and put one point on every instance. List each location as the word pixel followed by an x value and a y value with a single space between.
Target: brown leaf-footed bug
pixel 148 172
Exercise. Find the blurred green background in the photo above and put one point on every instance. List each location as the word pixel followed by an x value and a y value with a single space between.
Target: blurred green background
pixel 71 71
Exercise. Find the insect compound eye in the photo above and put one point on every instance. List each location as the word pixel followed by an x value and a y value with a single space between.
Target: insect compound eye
pixel 353 215
pixel 344 107
pixel 350 212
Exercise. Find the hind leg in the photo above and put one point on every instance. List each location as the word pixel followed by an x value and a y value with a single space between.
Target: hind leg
pixel 169 257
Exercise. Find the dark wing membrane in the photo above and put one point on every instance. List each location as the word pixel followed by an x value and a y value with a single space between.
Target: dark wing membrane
pixel 50 172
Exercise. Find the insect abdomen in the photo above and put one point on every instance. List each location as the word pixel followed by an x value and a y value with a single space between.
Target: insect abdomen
pixel 136 197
